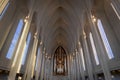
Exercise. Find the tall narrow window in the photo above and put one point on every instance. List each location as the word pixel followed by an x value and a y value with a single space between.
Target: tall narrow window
pixel 94 49
pixel 83 60
pixel 15 39
pixel 3 7
pixel 115 11
pixel 26 49
pixel 104 39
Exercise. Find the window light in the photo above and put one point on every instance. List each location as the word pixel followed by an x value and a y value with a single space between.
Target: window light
pixel 83 61
pixel 26 49
pixel 105 40
pixel 36 65
pixel 94 49
pixel 3 7
pixel 115 11
pixel 15 39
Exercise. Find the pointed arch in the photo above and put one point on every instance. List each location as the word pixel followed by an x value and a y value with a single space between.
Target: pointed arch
pixel 60 62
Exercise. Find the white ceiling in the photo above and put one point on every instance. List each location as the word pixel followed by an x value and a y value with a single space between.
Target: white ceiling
pixel 60 22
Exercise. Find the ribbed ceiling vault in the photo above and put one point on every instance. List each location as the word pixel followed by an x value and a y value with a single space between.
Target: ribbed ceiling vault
pixel 60 23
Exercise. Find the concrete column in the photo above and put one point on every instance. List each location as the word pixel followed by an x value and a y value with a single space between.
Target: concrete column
pixel 28 58
pixel 73 68
pixel 45 68
pixel 32 60
pixel 100 50
pixel 94 65
pixel 7 22
pixel 48 69
pixel 42 68
pixel 33 67
pixel 41 58
pixel 70 64
pixel 69 67
pixel 78 66
pixel 81 63
pixel 87 57
pixel 38 67
pixel 51 69
pixel 116 4
pixel 17 59
pixel 41 64
pixel 8 34
pixel 37 64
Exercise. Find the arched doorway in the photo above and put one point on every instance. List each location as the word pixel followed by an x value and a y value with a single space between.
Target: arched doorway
pixel 60 62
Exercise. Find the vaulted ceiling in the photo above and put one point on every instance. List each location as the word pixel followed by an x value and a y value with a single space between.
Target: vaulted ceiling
pixel 60 22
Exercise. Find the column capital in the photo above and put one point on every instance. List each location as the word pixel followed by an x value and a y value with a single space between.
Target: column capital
pixel 36 35
pixel 41 43
pixel 84 34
